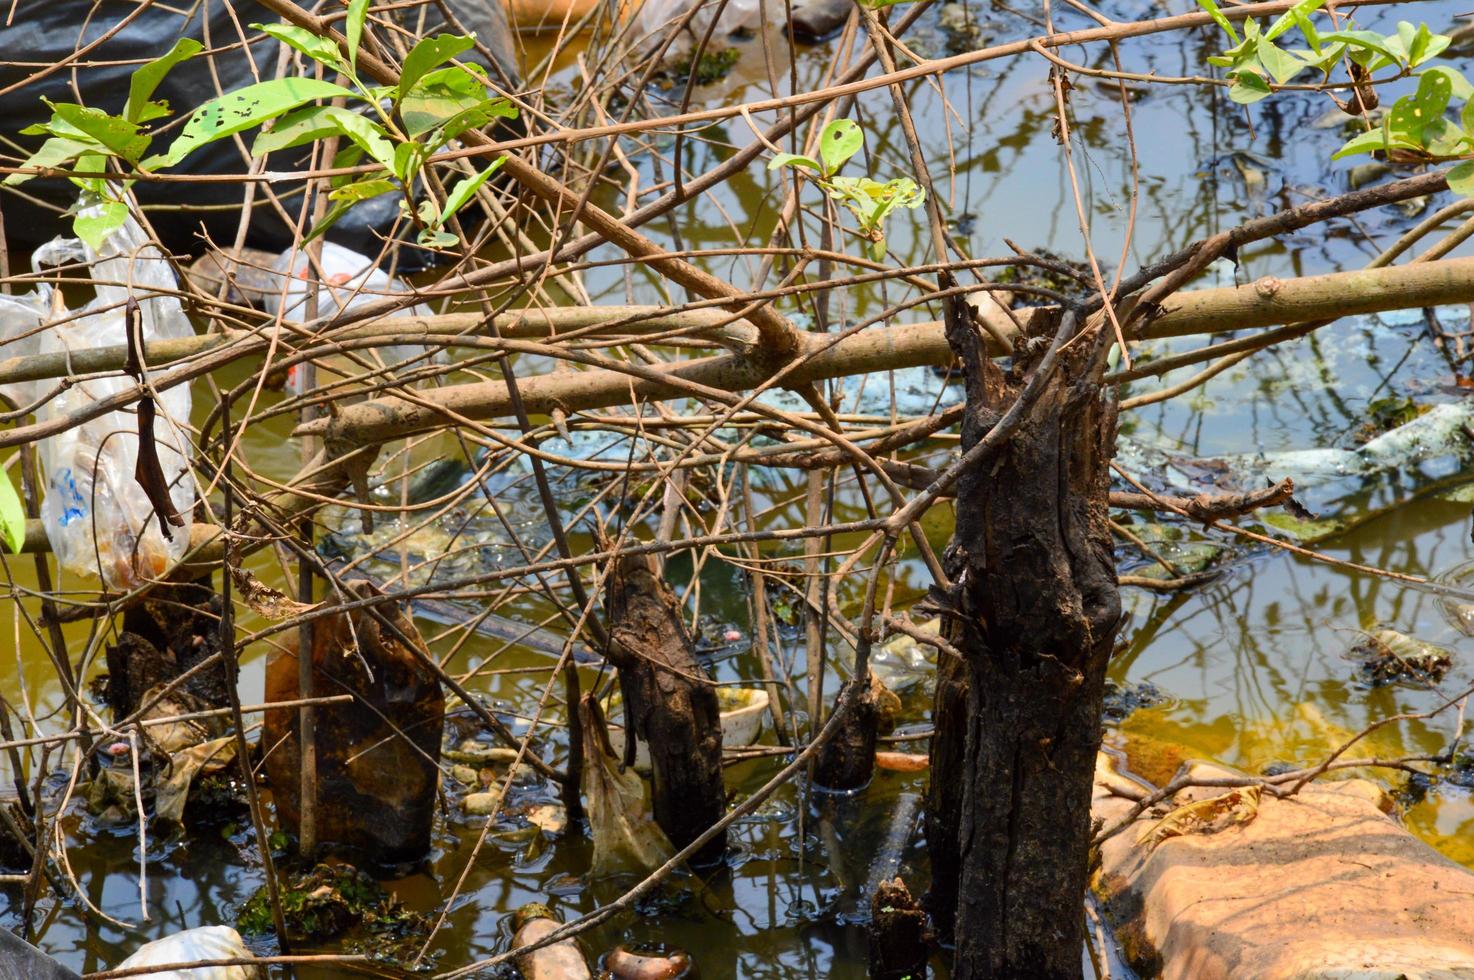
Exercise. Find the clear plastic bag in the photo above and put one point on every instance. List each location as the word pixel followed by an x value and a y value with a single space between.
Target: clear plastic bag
pixel 98 519
pixel 349 281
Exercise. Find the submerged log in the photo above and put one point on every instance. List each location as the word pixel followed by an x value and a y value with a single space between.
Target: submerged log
pixel 1036 603
pixel 377 756
pixel 670 704
pixel 898 934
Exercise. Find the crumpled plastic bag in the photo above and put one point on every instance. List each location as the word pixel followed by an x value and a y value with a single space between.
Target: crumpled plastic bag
pixel 181 752
pixel 656 17
pixel 350 281
pixel 626 836
pixel 89 469
pixel 193 945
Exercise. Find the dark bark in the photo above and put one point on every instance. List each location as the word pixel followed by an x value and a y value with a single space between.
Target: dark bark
pixel 378 756
pixel 944 792
pixel 898 934
pixel 847 761
pixel 167 633
pixel 670 703
pixel 1036 607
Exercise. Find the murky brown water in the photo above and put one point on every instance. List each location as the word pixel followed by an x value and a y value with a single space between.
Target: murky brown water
pixel 1253 666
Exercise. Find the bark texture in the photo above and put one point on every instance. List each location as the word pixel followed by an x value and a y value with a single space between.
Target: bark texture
pixel 898 934
pixel 944 792
pixel 847 761
pixel 670 704
pixel 377 756
pixel 1036 606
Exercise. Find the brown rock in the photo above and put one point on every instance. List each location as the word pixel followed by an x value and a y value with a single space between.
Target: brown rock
pixel 1318 886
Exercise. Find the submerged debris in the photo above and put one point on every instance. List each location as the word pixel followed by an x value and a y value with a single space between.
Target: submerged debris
pixel 1124 698
pixel 328 901
pixel 625 833
pixel 651 963
pixel 1388 656
pixel 562 960
pixel 377 756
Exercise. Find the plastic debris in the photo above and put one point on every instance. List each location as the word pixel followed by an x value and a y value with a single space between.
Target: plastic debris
pixel 625 833
pixel 90 483
pixel 204 943
pixel 562 960
pixel 349 282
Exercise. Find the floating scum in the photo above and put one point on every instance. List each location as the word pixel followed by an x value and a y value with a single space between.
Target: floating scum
pixel 765 529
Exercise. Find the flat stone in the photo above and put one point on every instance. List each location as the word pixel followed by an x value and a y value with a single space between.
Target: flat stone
pixel 1324 885
pixel 816 20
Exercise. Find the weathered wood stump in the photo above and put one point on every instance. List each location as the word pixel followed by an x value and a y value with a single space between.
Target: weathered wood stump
pixel 670 704
pixel 898 934
pixel 1036 606
pixel 377 756
pixel 169 632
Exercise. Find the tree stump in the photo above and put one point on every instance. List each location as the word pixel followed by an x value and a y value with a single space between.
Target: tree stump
pixel 899 942
pixel 172 630
pixel 670 703
pixel 1036 605
pixel 378 756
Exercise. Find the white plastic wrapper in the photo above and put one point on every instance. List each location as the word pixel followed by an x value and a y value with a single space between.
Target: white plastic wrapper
pixel 193 945
pixel 655 17
pixel 349 281
pixel 97 517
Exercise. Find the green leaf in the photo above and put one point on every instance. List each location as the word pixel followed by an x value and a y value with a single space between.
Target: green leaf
pixel 1411 114
pixel 117 134
pixel 463 190
pixel 1219 19
pixel 1281 65
pixel 147 78
pixel 362 190
pixel 12 515
pixel 408 159
pixel 429 54
pixel 1461 179
pixel 95 223
pixel 296 128
pixel 475 117
pixel 365 132
pixel 52 154
pixel 328 220
pixel 1248 87
pixel 243 109
pixel 839 141
pixel 353 29
pixel 319 49
pixel 1459 85
pixel 1362 40
pixel 1376 139
pixel 1426 46
pixel 1443 139
pixel 794 160
pixel 1296 14
pixel 432 238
